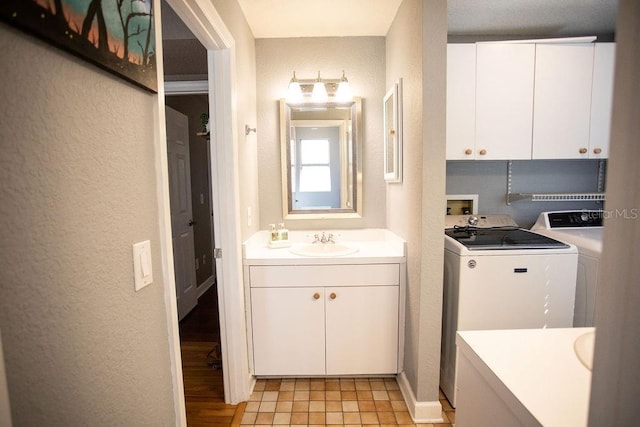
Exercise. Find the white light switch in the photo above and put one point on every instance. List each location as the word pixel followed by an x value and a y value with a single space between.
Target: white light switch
pixel 142 268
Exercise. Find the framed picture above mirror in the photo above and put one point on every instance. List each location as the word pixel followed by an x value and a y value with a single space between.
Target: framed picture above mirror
pixel 392 110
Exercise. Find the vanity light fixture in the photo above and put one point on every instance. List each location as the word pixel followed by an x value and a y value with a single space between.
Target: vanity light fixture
pixel 318 89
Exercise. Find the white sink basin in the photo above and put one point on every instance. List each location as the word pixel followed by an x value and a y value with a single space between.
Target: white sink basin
pixel 323 249
pixel 583 346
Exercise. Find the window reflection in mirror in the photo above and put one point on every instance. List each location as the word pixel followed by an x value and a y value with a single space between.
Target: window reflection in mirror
pixel 321 160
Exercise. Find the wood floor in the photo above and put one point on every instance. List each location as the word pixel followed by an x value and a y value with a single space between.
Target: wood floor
pixel 203 386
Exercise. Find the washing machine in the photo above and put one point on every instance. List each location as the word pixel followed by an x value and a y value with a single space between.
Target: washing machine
pixel 582 228
pixel 499 276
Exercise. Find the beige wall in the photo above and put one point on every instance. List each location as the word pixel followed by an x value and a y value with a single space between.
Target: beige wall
pixel 416 52
pixel 78 174
pixel 362 59
pixel 616 367
pixel 245 101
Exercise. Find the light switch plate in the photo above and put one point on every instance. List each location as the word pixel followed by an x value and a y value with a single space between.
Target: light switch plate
pixel 142 268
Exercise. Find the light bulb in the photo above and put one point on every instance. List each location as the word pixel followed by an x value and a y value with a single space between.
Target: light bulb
pixel 343 93
pixel 319 93
pixel 294 94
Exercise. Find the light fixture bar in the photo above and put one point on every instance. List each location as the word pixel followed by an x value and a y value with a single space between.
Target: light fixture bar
pixel 318 89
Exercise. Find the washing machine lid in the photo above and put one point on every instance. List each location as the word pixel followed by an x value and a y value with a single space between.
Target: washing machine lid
pixel 502 239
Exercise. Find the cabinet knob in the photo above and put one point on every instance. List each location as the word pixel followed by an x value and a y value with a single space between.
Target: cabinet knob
pixel 482 152
pixel 597 150
pixel 583 150
pixel 333 295
pixel 468 151
pixel 316 296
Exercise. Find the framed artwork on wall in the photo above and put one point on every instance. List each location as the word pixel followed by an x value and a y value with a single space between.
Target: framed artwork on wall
pixel 392 111
pixel 118 36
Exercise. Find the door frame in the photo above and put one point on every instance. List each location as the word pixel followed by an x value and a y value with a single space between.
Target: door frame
pixel 201 17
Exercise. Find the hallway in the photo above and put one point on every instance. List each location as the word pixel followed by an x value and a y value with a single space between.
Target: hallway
pixel 201 367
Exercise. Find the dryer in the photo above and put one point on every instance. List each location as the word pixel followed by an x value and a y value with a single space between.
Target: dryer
pixel 582 228
pixel 499 276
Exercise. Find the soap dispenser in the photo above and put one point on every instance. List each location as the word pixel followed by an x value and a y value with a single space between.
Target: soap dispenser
pixel 283 233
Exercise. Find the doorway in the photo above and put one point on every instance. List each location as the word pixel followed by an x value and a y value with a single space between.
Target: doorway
pixel 201 17
pixel 192 218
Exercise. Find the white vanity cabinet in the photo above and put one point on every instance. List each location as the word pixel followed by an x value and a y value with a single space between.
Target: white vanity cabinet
pixel 325 319
pixel 562 106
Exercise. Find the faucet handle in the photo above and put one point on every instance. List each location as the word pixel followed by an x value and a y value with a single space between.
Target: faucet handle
pixel 330 239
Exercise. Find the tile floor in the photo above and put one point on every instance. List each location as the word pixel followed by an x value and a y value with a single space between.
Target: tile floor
pixel 332 401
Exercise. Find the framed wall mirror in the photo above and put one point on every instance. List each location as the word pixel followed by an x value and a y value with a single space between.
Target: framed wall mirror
pixel 321 153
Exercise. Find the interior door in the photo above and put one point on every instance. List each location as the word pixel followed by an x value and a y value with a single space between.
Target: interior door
pixel 181 212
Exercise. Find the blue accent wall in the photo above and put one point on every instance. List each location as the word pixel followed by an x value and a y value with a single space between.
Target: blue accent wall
pixel 488 179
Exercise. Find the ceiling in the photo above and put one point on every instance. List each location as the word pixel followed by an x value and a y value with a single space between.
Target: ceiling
pixel 326 18
pixel 319 18
pixel 467 20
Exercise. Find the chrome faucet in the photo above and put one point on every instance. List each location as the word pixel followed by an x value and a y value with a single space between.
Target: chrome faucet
pixel 324 238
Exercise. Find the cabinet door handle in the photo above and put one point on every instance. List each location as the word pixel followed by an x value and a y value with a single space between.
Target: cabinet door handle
pixel 583 151
pixel 597 150
pixel 333 295
pixel 483 152
pixel 468 151
pixel 316 296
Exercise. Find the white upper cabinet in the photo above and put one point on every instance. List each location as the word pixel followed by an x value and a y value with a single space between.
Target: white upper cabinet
pixel 504 100
pixel 601 99
pixel 461 101
pixel 562 101
pixel 512 101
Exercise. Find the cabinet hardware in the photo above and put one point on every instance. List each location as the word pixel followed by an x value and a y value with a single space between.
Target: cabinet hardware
pixel 597 150
pixel 483 152
pixel 583 150
pixel 468 151
pixel 316 296
pixel 333 295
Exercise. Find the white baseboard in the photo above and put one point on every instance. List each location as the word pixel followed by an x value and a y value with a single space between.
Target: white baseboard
pixel 421 412
pixel 204 287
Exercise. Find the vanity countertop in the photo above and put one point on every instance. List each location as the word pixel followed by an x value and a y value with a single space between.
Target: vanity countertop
pixel 373 245
pixel 538 367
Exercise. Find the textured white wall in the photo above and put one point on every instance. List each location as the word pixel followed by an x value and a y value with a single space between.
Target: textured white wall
pixel 363 60
pixel 416 52
pixel 245 102
pixel 77 189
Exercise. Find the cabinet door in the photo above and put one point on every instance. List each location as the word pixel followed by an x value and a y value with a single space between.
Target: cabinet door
pixel 362 330
pixel 562 101
pixel 461 101
pixel 504 100
pixel 288 331
pixel 601 100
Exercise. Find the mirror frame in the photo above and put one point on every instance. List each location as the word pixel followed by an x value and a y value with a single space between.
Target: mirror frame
pixel 285 135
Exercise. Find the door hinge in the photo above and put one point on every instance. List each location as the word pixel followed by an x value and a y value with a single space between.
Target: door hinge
pixel 217 253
